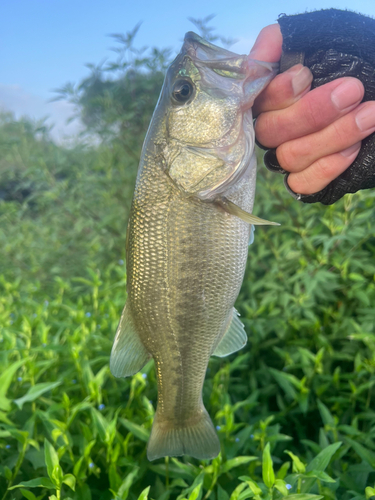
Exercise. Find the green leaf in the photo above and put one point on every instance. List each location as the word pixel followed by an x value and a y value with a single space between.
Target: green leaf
pixel 280 485
pixel 144 494
pixel 100 423
pixel 138 431
pixel 370 492
pixel 325 414
pixel 172 471
pixel 321 461
pixel 322 476
pixel 282 472
pixel 189 490
pixel 252 485
pixel 298 466
pixel 3 418
pixel 247 494
pixel 34 392
pixel 123 491
pixel 36 457
pixel 40 482
pixel 195 493
pixel 21 436
pixel 57 475
pixel 83 492
pixel 286 381
pixel 52 462
pixel 267 467
pixel 7 473
pixel 5 381
pixel 304 496
pixel 366 454
pixel 189 470
pixel 221 493
pixel 236 493
pixel 236 462
pixel 28 494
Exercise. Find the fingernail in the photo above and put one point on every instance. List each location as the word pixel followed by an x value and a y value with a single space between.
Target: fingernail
pixel 350 151
pixel 347 94
pixel 366 118
pixel 301 80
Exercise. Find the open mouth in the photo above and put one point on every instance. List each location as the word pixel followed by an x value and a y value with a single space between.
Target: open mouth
pixel 247 73
pixel 222 61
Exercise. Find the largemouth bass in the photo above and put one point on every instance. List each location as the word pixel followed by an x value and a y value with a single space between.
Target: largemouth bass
pixel 187 238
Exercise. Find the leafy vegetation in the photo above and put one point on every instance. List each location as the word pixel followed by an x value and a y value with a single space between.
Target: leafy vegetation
pixel 294 410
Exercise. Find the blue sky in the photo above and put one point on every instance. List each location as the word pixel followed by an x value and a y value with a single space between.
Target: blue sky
pixel 45 43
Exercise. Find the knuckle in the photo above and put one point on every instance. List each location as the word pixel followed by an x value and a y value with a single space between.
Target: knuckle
pixel 287 156
pixel 300 183
pixel 340 134
pixel 313 114
pixel 324 167
pixel 265 127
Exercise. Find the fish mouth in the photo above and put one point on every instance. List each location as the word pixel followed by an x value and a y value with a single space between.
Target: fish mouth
pixel 222 61
pixel 250 74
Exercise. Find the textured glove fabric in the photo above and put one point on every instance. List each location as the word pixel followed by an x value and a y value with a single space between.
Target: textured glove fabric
pixel 334 44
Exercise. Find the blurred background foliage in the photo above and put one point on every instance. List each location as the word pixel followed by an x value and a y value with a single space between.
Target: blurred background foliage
pixel 294 410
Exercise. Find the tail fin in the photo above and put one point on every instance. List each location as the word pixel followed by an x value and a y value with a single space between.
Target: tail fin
pixel 198 439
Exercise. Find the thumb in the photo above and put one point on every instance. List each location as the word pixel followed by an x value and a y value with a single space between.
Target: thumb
pixel 268 44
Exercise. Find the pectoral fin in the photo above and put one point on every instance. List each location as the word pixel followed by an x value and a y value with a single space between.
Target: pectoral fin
pixel 233 209
pixel 128 354
pixel 234 338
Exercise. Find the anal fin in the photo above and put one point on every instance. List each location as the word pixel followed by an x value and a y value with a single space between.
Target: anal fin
pixel 234 338
pixel 128 354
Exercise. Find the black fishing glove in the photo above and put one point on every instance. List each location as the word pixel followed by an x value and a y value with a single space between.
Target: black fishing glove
pixel 333 44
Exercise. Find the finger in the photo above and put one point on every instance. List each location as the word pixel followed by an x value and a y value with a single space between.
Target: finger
pixel 316 177
pixel 313 112
pixel 284 90
pixel 298 154
pixel 267 46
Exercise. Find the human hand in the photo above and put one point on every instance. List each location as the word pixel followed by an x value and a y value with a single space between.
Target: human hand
pixel 317 134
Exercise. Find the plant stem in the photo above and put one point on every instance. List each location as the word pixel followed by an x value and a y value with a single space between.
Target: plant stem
pixel 167 472
pixel 16 469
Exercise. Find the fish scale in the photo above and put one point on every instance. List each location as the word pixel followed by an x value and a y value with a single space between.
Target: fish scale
pixel 187 249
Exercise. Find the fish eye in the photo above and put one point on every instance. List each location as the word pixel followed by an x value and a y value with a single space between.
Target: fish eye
pixel 182 91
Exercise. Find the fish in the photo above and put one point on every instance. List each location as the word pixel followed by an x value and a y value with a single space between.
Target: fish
pixel 187 238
